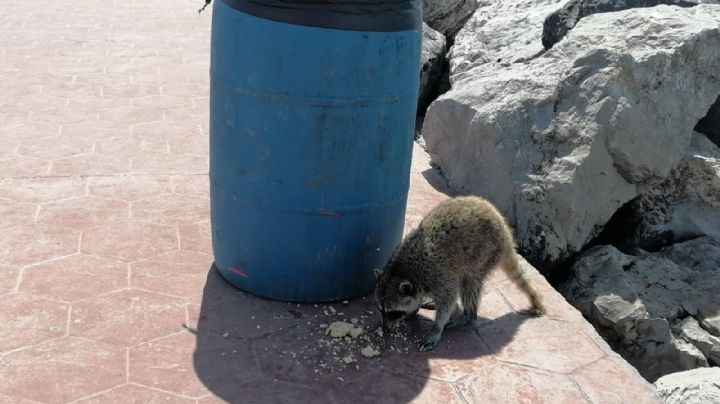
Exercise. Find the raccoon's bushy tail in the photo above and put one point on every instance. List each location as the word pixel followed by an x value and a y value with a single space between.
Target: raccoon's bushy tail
pixel 512 269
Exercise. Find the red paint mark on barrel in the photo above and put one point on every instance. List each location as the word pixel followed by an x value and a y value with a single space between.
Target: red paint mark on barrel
pixel 239 272
pixel 330 213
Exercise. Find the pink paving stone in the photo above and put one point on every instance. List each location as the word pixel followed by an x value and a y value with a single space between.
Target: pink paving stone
pixel 130 187
pixel 505 383
pixel 74 278
pixel 166 130
pixel 27 320
pixel 31 244
pixel 62 370
pixel 179 273
pixel 180 364
pixel 134 394
pixel 129 241
pixel 55 147
pixel 197 144
pixel 381 387
pixel 99 103
pixel 84 212
pixel 63 115
pixel 127 90
pixel 74 90
pixel 262 391
pixel 556 305
pixel 196 237
pixel 131 146
pixel 170 164
pixel 7 145
pixel 94 130
pixel 197 185
pixel 127 317
pixel 460 353
pixel 8 278
pixel 23 166
pixel 41 189
pixel 5 399
pixel 172 209
pixel 161 102
pixel 16 213
pixel 131 115
pixel 27 130
pixel 557 346
pixel 90 164
pixel 632 388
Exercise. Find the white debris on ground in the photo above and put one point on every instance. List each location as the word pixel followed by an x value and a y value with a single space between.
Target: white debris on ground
pixel 369 352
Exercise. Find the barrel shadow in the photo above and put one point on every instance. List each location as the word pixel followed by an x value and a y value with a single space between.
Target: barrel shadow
pixel 254 350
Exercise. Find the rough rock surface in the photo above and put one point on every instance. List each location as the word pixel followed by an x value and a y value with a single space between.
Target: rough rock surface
pixel 684 205
pixel 647 305
pixel 447 16
pixel 560 141
pixel 501 32
pixel 559 23
pixel 431 65
pixel 710 124
pixel 698 386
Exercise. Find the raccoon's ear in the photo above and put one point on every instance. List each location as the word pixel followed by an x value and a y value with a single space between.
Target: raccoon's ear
pixel 406 288
pixel 378 273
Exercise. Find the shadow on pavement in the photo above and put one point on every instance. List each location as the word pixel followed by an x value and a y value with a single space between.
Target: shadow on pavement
pixel 254 350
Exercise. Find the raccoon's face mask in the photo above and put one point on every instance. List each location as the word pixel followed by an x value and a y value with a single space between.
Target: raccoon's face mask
pixel 396 299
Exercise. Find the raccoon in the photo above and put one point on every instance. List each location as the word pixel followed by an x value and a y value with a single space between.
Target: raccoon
pixel 446 257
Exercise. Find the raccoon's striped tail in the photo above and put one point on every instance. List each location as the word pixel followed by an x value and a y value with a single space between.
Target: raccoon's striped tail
pixel 512 269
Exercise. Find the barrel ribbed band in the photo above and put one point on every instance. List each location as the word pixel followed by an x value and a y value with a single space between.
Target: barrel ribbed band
pixel 350 15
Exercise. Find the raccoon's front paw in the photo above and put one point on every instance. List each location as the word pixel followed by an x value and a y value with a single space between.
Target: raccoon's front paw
pixel 459 320
pixel 430 341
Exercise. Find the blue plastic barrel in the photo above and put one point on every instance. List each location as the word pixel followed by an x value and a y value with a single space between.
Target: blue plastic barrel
pixel 312 113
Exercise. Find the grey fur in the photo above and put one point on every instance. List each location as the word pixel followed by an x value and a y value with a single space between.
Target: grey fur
pixel 447 257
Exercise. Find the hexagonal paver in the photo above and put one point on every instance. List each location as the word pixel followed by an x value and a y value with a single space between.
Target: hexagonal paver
pixel 23 166
pixel 180 273
pixel 129 241
pixel 63 115
pixel 198 185
pixel 505 383
pixel 29 130
pixel 131 146
pixel 161 102
pixel 171 209
pixel 196 237
pixel 593 380
pixel 175 364
pixel 98 103
pixel 8 146
pixel 42 189
pixel 30 244
pixel 198 144
pixel 55 147
pixel 382 387
pixel 62 370
pixel 557 346
pixel 261 391
pixel 84 212
pixel 171 164
pixel 165 130
pixel 74 278
pixel 8 278
pixel 16 213
pixel 131 115
pixel 27 320
pixel 130 187
pixel 124 90
pixel 127 317
pixel 555 304
pixel 94 130
pixel 134 394
pixel 90 164
pixel 14 400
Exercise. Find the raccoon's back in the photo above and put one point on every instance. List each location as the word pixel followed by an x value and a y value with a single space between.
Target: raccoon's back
pixel 464 230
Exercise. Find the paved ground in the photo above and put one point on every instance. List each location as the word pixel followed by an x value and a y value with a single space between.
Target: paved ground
pixel 106 287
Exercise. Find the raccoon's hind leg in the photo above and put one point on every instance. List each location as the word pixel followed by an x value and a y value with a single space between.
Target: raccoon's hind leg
pixel 470 298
